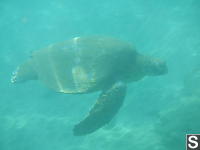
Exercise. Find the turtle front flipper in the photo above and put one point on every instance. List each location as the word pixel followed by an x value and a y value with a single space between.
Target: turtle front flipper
pixel 103 111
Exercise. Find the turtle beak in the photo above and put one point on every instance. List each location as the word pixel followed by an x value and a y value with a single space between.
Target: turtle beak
pixel 155 67
pixel 161 68
pixel 158 67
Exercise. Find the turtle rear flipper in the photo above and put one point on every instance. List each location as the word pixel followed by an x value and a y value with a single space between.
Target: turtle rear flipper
pixel 103 111
pixel 24 72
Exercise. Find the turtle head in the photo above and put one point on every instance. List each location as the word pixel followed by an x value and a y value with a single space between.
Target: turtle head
pixel 153 66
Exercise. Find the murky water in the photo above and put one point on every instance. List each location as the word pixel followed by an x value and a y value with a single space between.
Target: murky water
pixel 158 111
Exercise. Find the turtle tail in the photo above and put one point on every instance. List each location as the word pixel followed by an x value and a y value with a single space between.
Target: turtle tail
pixel 23 73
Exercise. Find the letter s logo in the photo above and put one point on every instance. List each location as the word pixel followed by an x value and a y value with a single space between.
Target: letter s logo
pixel 193 139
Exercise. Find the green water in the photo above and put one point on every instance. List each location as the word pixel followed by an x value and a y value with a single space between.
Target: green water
pixel 158 111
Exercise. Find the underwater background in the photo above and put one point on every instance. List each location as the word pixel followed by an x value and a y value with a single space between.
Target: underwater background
pixel 158 111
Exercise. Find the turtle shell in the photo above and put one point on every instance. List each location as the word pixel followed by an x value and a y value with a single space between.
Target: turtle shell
pixel 83 64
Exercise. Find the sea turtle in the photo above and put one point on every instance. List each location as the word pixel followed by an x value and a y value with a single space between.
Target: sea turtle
pixel 89 64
